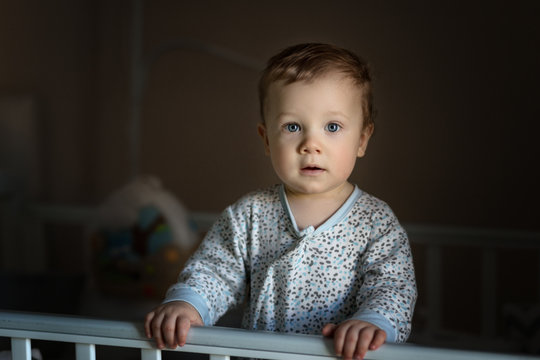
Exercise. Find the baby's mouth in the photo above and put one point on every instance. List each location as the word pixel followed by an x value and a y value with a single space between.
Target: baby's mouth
pixel 312 170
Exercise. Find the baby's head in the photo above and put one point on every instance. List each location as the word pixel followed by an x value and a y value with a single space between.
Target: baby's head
pixel 317 117
pixel 308 62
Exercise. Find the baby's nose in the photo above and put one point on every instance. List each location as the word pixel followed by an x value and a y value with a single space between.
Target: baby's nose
pixel 310 144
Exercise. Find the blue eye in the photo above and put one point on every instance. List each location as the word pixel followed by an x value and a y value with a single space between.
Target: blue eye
pixel 293 127
pixel 333 127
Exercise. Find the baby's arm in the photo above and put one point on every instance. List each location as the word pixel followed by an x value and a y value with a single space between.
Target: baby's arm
pixel 169 323
pixel 353 338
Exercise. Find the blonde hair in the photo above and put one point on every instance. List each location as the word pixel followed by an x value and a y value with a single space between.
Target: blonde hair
pixel 306 62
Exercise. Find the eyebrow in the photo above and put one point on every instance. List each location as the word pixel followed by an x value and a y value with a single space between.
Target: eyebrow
pixel 282 114
pixel 279 117
pixel 338 113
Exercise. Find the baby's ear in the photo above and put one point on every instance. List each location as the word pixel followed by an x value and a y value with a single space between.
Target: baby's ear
pixel 365 135
pixel 261 129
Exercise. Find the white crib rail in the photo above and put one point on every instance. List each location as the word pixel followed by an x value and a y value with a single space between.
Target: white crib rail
pixel 219 343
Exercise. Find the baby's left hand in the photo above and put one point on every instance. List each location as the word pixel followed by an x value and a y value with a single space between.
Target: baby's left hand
pixel 353 338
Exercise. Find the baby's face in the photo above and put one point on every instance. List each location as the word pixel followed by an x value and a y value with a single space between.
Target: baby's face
pixel 313 133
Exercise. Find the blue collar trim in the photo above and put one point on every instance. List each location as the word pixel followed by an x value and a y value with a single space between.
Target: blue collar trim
pixel 337 217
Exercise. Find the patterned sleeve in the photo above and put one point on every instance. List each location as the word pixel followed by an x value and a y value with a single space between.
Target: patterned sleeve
pixel 216 271
pixel 389 287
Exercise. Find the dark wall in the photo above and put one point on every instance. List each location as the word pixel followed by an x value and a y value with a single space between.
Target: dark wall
pixel 455 90
pixel 48 53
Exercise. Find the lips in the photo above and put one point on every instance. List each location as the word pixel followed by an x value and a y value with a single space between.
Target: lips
pixel 311 170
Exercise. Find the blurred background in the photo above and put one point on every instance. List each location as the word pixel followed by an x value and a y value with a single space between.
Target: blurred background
pixel 94 94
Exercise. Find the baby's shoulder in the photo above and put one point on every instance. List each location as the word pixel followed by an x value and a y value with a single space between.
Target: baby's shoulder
pixel 371 206
pixel 270 193
pixel 258 200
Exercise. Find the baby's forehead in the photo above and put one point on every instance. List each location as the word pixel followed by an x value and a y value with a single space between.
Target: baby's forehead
pixel 315 97
pixel 280 86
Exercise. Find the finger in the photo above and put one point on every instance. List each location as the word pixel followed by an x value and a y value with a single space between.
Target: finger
pixel 147 322
pixel 156 331
pixel 182 329
pixel 169 331
pixel 328 329
pixel 350 343
pixel 339 338
pixel 364 340
pixel 378 340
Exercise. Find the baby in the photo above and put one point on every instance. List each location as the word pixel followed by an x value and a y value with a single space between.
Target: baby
pixel 314 254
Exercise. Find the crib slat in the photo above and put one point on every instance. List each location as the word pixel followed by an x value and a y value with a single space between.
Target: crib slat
pixel 21 349
pixel 85 352
pixel 150 354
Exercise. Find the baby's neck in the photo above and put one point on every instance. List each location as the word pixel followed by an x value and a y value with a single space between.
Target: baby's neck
pixel 315 209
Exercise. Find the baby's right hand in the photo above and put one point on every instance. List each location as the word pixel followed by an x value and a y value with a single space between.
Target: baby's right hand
pixel 169 323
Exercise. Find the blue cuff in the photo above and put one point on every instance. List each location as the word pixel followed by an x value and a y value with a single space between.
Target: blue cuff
pixel 378 320
pixel 182 292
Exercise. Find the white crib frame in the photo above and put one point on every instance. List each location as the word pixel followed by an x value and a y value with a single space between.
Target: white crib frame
pixel 220 343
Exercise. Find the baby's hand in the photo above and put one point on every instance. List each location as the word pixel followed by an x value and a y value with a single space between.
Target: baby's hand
pixel 353 338
pixel 169 323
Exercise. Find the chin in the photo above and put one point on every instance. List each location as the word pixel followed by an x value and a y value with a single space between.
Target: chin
pixel 306 190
